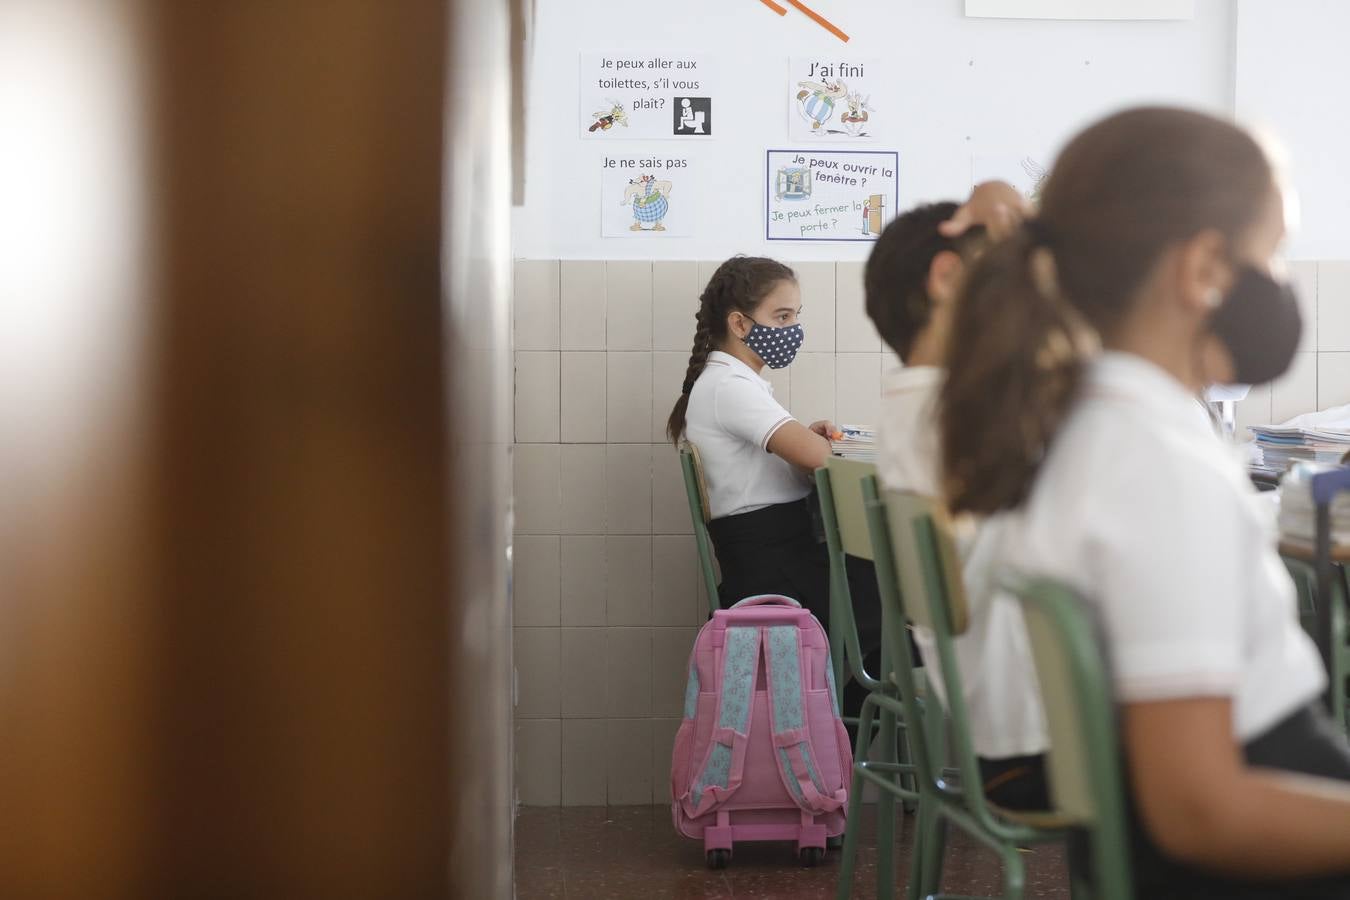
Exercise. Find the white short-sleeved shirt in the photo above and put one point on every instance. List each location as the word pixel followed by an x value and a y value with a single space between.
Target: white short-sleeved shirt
pixel 731 416
pixel 1143 509
pixel 993 656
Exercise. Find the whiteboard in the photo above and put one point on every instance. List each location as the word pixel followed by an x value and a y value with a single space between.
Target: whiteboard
pixel 963 87
pixel 1293 84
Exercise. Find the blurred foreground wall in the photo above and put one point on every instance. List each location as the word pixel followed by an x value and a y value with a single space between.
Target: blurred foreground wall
pixel 254 382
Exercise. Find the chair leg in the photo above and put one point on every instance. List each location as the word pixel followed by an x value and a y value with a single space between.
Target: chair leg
pixel 849 856
pixel 930 845
pixel 903 755
pixel 886 746
pixel 1338 652
pixel 935 729
pixel 1014 873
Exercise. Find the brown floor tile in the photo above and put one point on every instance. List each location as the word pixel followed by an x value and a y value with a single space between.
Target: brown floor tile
pixel 634 853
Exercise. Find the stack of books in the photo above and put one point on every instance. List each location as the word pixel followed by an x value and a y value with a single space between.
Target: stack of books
pixel 855 442
pixel 1298 515
pixel 1278 446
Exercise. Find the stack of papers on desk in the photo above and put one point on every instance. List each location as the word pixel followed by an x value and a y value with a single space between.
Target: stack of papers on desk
pixel 1298 515
pixel 856 443
pixel 1277 446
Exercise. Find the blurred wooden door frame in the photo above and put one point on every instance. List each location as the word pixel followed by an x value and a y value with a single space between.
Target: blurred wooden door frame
pixel 254 637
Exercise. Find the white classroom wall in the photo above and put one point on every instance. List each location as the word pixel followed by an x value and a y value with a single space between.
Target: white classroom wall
pixel 1293 82
pixel 961 87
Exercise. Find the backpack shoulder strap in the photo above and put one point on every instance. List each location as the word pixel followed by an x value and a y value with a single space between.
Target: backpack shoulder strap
pixel 722 768
pixel 793 750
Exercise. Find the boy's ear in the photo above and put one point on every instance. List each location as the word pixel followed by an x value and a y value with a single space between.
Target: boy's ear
pixel 944 276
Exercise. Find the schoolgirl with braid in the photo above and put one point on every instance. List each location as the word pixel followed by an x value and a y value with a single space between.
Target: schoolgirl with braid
pixel 757 458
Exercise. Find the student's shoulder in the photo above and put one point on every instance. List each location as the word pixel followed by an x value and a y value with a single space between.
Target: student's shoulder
pixel 733 382
pixel 1168 465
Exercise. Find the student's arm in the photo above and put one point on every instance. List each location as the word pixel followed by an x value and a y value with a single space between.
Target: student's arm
pixel 1204 806
pixel 806 448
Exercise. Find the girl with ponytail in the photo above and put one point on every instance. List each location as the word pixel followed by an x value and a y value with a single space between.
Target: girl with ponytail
pixel 1074 357
pixel 758 459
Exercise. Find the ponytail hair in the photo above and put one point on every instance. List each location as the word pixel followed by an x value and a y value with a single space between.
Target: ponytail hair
pixel 738 285
pixel 1035 307
pixel 1011 380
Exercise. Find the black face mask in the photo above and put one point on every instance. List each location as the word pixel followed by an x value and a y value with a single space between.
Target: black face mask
pixel 1260 324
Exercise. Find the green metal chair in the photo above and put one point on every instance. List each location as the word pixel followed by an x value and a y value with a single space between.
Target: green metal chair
pixel 697 490
pixel 919 575
pixel 1304 573
pixel 839 487
pixel 1084 765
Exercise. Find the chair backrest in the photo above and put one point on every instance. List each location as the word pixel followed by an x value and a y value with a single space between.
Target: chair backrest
pixel 690 451
pixel 928 561
pixel 696 489
pixel 850 517
pixel 1084 765
pixel 896 649
pixel 929 582
pixel 839 485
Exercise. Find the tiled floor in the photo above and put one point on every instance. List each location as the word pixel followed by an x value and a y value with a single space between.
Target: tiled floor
pixel 593 853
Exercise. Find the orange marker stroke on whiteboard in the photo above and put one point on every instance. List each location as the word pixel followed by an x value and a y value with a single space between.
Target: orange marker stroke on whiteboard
pixel 781 10
pixel 820 20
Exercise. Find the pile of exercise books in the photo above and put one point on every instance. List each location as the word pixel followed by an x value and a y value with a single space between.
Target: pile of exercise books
pixel 855 442
pixel 1277 446
pixel 1298 515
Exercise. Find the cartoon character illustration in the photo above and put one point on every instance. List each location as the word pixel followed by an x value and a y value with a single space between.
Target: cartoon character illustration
pixel 792 183
pixel 604 121
pixel 1037 173
pixel 816 100
pixel 874 214
pixel 854 119
pixel 650 201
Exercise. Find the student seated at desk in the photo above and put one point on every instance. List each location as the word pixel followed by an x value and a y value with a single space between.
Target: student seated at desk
pixel 1156 230
pixel 912 281
pixel 757 458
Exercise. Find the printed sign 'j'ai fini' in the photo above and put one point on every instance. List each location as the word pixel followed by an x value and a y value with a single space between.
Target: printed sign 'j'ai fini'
pixel 835 100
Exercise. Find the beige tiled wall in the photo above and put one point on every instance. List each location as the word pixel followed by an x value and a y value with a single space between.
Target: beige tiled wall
pixel 607 597
pixel 607 594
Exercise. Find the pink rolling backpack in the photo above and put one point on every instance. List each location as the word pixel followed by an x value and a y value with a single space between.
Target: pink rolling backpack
pixel 761 754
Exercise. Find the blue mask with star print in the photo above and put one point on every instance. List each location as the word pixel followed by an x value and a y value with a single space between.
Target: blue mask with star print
pixel 776 346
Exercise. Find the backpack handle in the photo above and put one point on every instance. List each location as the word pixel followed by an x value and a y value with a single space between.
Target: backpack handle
pixel 766 600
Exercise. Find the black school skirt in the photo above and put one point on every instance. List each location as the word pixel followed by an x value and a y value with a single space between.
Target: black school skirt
pixel 1307 742
pixel 781 550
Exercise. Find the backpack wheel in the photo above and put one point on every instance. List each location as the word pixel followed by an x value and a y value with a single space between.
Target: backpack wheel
pixel 718 859
pixel 810 857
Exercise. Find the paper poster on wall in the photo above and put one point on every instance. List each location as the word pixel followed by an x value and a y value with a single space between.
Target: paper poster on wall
pixel 834 99
pixel 646 96
pixel 647 196
pixel 829 195
pixel 1081 9
pixel 1026 173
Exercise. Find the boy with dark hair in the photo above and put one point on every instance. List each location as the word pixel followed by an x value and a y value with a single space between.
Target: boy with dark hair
pixel 913 281
pixel 911 277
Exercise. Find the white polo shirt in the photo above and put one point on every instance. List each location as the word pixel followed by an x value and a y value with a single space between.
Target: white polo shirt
pixel 993 656
pixel 730 418
pixel 1146 511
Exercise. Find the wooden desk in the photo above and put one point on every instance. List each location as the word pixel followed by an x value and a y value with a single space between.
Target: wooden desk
pixel 1306 551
